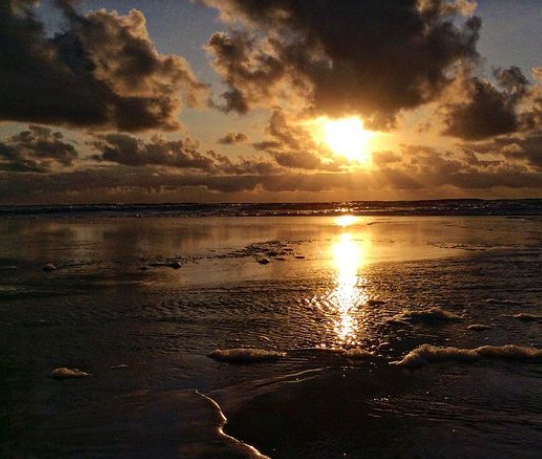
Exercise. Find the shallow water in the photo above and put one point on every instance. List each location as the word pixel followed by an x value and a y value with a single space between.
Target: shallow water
pixel 309 287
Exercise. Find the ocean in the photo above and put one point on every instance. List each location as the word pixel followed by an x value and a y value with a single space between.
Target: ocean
pixel 382 330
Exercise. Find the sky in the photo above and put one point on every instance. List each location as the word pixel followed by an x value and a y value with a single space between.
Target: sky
pixel 269 100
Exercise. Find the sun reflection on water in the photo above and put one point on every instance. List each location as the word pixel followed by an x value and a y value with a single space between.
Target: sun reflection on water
pixel 344 305
pixel 348 296
pixel 346 220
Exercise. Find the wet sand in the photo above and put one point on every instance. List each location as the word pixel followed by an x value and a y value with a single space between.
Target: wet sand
pixel 140 304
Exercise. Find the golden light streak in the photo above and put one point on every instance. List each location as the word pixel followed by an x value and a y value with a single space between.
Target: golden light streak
pixel 347 297
pixel 346 220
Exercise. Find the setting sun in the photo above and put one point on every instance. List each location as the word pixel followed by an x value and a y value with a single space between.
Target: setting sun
pixel 348 137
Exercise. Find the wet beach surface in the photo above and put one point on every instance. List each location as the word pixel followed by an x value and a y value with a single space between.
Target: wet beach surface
pixel 140 303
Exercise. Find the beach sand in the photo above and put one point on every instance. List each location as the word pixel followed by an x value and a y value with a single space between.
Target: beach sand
pixel 306 333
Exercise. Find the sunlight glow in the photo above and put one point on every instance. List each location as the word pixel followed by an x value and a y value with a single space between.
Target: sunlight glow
pixel 347 297
pixel 345 220
pixel 347 137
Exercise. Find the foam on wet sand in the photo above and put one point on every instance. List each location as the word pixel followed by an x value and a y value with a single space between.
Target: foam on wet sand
pixel 527 317
pixel 428 353
pixel 68 373
pixel 242 355
pixel 479 327
pixel 357 354
pixel 244 449
pixel 431 315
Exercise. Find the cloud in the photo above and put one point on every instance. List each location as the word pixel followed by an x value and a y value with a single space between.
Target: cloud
pixel 480 109
pixel 386 157
pixel 232 138
pixel 178 154
pixel 431 169
pixel 251 75
pixel 243 166
pixel 413 170
pixel 366 68
pixel 117 181
pixel 142 184
pixel 531 119
pixel 291 146
pixel 102 71
pixel 526 148
pixel 38 149
pixel 487 110
pixel 130 151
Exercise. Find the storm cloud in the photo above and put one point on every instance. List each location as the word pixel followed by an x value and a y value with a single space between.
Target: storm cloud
pixel 101 71
pixel 342 57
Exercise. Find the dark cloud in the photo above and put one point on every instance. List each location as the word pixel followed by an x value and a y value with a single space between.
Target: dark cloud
pixel 428 168
pixel 144 184
pixel 243 166
pixel 108 181
pixel 232 138
pixel 513 81
pixel 487 110
pixel 526 148
pixel 250 75
pixel 117 181
pixel 382 158
pixel 130 151
pixel 294 147
pixel 370 57
pixel 531 119
pixel 102 71
pixel 38 149
pixel 428 163
pixel 180 154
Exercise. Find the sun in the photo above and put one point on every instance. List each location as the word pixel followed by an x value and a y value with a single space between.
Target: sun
pixel 347 137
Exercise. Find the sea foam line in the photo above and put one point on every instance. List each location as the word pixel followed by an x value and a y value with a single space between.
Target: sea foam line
pixel 251 451
pixel 427 354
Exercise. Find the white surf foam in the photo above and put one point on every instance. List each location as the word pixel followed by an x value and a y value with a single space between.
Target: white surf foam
pixel 431 315
pixel 238 446
pixel 527 317
pixel 479 327
pixel 66 373
pixel 242 355
pixel 427 354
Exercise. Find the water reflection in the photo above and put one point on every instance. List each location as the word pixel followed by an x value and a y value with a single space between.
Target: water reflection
pixel 346 220
pixel 345 303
